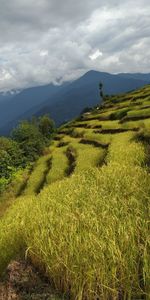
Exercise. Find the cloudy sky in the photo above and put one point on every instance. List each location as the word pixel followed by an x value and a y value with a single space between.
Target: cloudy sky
pixel 44 41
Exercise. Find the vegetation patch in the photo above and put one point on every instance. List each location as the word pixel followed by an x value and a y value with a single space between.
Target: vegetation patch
pixel 59 165
pixel 24 181
pixel 38 176
pixel 87 157
pixel 43 181
pixel 119 114
pixel 77 133
pixel 144 137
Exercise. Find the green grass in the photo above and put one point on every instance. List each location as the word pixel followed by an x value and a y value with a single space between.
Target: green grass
pixel 71 139
pixel 124 150
pixel 90 134
pixel 88 156
pixel 59 165
pixel 14 189
pixel 105 124
pixel 111 124
pixel 37 177
pixel 137 124
pixel 146 101
pixel 79 131
pixel 139 113
pixel 102 138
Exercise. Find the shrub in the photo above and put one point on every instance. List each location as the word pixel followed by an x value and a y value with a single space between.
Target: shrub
pixel 119 114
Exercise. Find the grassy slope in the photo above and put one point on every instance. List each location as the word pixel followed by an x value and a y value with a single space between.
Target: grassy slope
pixel 37 178
pixel 59 165
pixel 90 231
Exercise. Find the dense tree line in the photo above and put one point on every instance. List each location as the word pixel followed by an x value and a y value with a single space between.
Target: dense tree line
pixel 25 144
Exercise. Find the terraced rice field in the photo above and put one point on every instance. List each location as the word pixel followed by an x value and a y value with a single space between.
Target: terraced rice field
pixel 38 176
pixel 83 214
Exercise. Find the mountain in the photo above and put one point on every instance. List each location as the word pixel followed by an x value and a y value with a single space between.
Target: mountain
pixel 5 96
pixel 84 92
pixel 140 76
pixel 18 104
pixel 63 102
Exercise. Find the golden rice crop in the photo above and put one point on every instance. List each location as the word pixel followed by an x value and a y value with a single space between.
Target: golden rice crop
pixel 37 177
pixel 59 165
pixel 90 231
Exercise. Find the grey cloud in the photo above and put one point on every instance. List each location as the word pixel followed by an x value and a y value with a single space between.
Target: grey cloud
pixel 29 18
pixel 42 41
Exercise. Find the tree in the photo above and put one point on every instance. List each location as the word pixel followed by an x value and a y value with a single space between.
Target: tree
pixel 85 110
pixel 12 149
pixel 46 126
pixel 6 167
pixel 101 91
pixel 10 157
pixel 30 140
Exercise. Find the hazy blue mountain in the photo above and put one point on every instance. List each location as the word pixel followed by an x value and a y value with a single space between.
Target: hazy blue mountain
pixel 140 76
pixel 6 96
pixel 17 105
pixel 63 102
pixel 84 92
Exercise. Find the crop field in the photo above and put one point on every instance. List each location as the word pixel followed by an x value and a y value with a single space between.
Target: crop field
pixel 83 213
pixel 139 113
pixel 37 177
pixel 59 165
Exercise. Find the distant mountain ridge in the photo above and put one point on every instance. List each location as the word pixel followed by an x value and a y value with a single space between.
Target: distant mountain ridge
pixel 66 101
pixel 140 76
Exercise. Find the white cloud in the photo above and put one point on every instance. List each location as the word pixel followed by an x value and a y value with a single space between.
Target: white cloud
pixel 95 55
pixel 4 75
pixel 43 53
